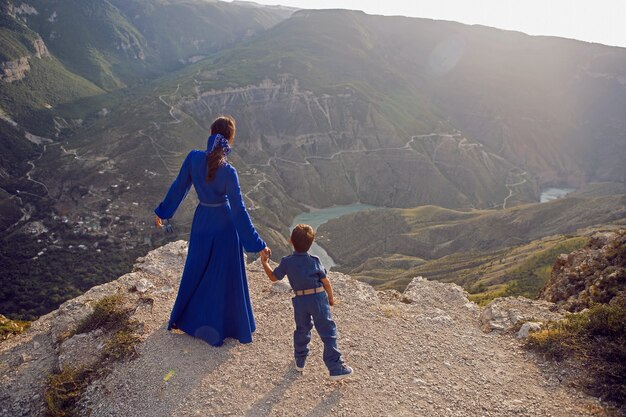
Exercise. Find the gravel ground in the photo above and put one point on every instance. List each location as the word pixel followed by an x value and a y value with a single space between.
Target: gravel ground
pixel 426 358
pixel 420 353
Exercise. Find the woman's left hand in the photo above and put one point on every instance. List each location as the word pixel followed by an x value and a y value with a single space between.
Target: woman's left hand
pixel 158 222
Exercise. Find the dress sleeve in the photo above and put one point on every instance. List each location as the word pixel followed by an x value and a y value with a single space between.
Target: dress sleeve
pixel 177 192
pixel 247 233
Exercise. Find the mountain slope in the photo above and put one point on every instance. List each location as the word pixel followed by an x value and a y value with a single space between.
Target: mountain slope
pixel 492 252
pixel 116 43
pixel 33 81
pixel 334 107
pixel 88 47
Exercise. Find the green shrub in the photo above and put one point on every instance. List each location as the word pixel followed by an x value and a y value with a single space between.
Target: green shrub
pixel 107 314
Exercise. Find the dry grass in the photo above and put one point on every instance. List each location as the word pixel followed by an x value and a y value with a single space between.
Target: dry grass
pixel 10 327
pixel 64 389
pixel 122 345
pixel 390 310
pixel 595 339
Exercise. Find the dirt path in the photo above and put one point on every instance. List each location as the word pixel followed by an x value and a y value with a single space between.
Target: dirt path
pixel 428 358
pixel 511 188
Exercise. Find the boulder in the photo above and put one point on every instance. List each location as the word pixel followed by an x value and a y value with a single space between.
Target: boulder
pixel 529 326
pixel 503 313
pixel 143 285
pixel 423 291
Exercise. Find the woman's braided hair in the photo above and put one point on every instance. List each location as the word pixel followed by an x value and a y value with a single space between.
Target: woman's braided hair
pixel 225 126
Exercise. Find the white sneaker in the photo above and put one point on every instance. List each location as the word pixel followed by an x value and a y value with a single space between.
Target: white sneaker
pixel 299 368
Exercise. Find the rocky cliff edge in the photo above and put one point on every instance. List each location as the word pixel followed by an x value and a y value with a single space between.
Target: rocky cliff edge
pixel 421 352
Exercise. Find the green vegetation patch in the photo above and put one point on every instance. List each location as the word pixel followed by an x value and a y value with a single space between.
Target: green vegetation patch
pixel 528 279
pixel 47 84
pixel 32 287
pixel 10 327
pixel 65 388
pixel 483 294
pixel 596 339
pixel 13 45
pixel 107 314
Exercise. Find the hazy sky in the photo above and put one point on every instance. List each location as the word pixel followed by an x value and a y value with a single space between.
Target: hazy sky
pixel 602 21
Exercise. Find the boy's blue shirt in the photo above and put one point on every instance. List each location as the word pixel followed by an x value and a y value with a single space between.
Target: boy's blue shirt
pixel 304 271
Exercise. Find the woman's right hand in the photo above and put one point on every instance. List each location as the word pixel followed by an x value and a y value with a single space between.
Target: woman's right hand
pixel 158 222
pixel 265 253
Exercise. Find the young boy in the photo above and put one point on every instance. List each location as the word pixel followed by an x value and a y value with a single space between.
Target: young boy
pixel 311 303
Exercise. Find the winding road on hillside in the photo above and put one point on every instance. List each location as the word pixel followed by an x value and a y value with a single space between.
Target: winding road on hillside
pixel 306 161
pixel 27 210
pixel 172 108
pixel 511 187
pixel 158 148
pixel 406 146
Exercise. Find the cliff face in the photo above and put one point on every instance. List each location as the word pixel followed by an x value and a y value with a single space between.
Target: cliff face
pixel 337 147
pixel 594 274
pixel 416 353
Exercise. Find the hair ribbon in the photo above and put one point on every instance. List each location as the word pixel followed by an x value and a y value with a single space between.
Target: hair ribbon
pixel 221 141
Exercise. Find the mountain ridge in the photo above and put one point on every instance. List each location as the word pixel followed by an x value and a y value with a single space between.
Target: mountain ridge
pixel 378 118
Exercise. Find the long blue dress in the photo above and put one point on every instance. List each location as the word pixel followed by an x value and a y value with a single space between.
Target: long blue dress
pixel 213 300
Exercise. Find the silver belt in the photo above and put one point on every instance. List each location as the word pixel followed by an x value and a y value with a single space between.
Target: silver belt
pixel 223 203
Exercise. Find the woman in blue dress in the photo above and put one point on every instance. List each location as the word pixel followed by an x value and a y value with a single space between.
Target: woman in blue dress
pixel 213 300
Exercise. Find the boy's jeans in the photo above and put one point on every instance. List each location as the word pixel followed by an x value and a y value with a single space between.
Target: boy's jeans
pixel 314 309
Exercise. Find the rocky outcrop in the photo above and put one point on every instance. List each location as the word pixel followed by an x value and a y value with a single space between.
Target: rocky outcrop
pixel 51 343
pixel 527 328
pixel 424 292
pixel 16 69
pixel 593 274
pixel 41 50
pixel 23 8
pixel 502 314
pixel 416 353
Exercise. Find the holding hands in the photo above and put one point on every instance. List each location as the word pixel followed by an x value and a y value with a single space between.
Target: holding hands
pixel 265 254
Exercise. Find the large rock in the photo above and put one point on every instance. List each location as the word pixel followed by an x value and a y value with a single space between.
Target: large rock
pixel 431 340
pixel 503 313
pixel 593 274
pixel 423 291
pixel 527 328
pixel 439 303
